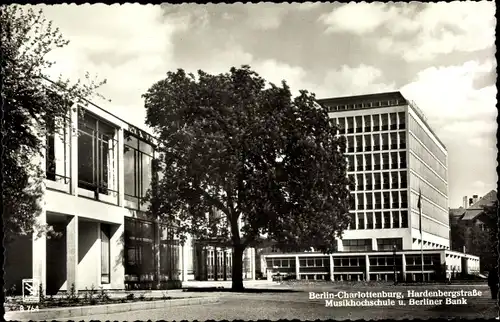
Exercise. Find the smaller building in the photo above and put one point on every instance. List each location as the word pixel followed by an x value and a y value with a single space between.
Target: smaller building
pixel 370 266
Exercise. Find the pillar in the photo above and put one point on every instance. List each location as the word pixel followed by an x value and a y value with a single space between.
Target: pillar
pixel 119 172
pixel 73 155
pixel 403 266
pixel 367 267
pixel 186 258
pixel 40 254
pixel 216 263
pixel 252 262
pixel 374 244
pixel 225 264
pixel 72 253
pixel 297 267
pixel 331 267
pixel 340 245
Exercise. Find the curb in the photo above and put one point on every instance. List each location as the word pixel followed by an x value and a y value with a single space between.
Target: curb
pixel 68 312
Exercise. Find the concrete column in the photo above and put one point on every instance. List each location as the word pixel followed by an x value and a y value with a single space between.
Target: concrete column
pixel 297 267
pixel 117 255
pixel 403 266
pixel 374 244
pixel 73 155
pixel 40 254
pixel 340 245
pixel 216 263
pixel 331 267
pixel 367 268
pixel 120 169
pixel 252 261
pixel 72 253
pixel 186 248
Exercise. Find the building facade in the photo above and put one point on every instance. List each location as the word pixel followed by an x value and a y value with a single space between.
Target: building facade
pixel 98 170
pixel 393 155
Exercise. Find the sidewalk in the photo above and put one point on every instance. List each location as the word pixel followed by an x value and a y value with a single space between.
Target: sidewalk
pixel 228 284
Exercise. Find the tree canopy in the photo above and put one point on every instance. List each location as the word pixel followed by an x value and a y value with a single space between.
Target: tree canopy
pixel 32 107
pixel 266 163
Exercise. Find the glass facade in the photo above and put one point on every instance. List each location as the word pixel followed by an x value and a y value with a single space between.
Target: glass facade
pixel 138 167
pixel 97 155
pixel 376 156
pixel 141 244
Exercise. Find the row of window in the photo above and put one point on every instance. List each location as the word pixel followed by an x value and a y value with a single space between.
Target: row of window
pixel 376 142
pixel 379 220
pixel 422 135
pixel 366 104
pixel 376 161
pixel 371 123
pixel 98 159
pixel 359 261
pixel 378 180
pixel 424 172
pixel 380 200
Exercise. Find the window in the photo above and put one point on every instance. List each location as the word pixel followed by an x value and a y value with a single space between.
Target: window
pixel 378 200
pixel 105 254
pixel 368 162
pixel 386 161
pixel 350 161
pixel 353 245
pixel 361 201
pixel 401 120
pixel 402 140
pixel 387 200
pixel 359 143
pixel 378 182
pixel 368 142
pixel 352 221
pixel 359 180
pixel 376 142
pixel 97 155
pixel 389 243
pixel 404 199
pixel 404 219
pixel 359 124
pixel 385 178
pixel 385 141
pixel 369 220
pixel 350 125
pixel 378 220
pixel 138 167
pixel 350 143
pixel 369 184
pixel 385 122
pixel 395 219
pixel 402 160
pixel 376 122
pixel 361 221
pixel 359 161
pixel 395 199
pixel 387 219
pixel 368 122
pixel 376 161
pixel 369 201
pixel 394 140
pixel 394 121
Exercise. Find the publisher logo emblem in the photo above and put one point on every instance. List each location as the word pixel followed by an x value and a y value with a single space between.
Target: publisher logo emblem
pixel 30 290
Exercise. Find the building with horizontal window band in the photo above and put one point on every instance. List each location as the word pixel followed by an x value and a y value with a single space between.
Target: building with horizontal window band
pixel 392 154
pixel 98 171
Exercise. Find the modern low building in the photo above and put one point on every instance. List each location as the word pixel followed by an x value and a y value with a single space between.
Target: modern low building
pixel 393 155
pixel 97 173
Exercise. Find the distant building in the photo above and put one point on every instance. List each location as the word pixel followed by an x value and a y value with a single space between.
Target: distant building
pixel 392 154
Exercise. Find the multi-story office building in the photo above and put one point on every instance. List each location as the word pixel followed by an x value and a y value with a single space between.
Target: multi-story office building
pixel 393 155
pixel 98 171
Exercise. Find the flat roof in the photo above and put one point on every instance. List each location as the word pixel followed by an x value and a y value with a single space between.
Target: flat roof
pixel 376 97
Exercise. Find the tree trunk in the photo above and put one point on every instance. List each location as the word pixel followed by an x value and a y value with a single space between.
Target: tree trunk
pixel 237 274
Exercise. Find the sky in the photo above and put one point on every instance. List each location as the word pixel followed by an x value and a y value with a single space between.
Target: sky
pixel 440 55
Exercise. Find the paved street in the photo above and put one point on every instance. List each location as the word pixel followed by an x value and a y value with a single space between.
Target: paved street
pixel 297 305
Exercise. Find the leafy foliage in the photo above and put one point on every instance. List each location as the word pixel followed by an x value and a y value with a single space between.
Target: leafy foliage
pixel 478 241
pixel 240 160
pixel 29 102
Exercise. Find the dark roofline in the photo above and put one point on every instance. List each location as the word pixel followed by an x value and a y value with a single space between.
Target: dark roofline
pixel 388 95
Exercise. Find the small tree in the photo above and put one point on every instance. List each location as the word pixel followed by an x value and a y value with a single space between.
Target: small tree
pixel 239 161
pixel 32 107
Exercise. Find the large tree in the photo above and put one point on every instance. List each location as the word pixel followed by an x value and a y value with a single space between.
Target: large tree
pixel 268 164
pixel 32 108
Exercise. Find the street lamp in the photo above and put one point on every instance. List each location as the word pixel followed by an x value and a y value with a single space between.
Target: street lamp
pixel 394 262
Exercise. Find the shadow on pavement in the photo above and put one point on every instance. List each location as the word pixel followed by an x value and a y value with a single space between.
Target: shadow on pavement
pixel 246 290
